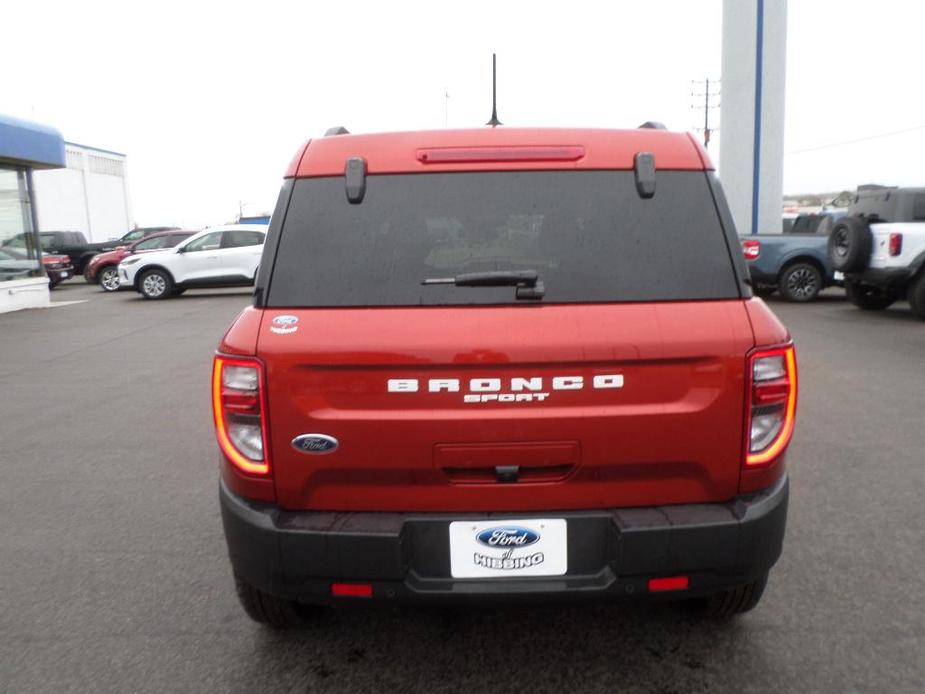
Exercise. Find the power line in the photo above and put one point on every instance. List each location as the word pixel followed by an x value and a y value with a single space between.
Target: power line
pixel 858 139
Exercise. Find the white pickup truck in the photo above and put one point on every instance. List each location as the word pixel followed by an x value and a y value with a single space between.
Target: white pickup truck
pixel 879 248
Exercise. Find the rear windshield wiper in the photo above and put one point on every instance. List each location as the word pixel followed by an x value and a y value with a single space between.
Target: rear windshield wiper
pixel 527 281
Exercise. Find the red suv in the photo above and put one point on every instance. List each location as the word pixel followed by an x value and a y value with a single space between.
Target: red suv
pixel 503 363
pixel 103 267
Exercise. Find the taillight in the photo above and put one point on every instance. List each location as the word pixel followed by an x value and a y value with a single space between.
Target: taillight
pixel 772 403
pixel 896 244
pixel 751 249
pixel 239 406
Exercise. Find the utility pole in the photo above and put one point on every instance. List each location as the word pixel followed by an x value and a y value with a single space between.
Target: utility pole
pixel 706 94
pixel 446 107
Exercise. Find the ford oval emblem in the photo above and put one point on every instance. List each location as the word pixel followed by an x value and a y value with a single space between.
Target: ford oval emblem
pixel 285 320
pixel 508 537
pixel 315 443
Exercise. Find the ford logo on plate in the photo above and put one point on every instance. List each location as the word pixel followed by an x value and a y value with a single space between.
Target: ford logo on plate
pixel 508 536
pixel 285 320
pixel 315 443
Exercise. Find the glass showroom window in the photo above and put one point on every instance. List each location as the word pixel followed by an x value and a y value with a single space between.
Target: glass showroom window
pixel 19 255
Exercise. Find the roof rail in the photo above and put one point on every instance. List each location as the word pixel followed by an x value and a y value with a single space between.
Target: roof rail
pixel 336 130
pixel 652 125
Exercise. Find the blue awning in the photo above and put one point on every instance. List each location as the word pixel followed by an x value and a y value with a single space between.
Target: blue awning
pixel 29 144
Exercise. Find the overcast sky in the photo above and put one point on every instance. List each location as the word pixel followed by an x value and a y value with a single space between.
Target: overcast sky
pixel 210 100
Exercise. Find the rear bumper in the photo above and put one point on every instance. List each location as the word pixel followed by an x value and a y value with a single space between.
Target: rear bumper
pixel 612 553
pixel 887 278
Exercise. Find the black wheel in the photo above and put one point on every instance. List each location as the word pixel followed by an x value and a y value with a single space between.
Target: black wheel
pixel 867 297
pixel 267 609
pixel 732 602
pixel 917 296
pixel 155 284
pixel 109 278
pixel 850 244
pixel 800 282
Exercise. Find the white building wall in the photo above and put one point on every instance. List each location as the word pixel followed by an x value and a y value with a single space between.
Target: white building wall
pixel 747 79
pixel 90 195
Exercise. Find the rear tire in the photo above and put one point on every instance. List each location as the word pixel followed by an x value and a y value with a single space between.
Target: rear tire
pixel 730 603
pixel 155 284
pixel 850 244
pixel 109 278
pixel 868 298
pixel 800 282
pixel 917 296
pixel 267 609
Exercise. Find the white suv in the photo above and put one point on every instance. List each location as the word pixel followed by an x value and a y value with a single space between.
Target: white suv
pixel 880 248
pixel 225 256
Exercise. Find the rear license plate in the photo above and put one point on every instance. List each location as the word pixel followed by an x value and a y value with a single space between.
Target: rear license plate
pixel 508 548
pixel 64 275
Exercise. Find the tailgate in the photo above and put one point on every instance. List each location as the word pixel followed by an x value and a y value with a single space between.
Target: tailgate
pixel 507 408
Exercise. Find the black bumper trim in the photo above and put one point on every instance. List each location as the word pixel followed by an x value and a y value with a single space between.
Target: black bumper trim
pixel 297 555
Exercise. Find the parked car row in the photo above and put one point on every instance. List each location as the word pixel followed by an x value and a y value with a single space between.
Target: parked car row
pixel 103 268
pixel 875 249
pixel 225 256
pixel 157 262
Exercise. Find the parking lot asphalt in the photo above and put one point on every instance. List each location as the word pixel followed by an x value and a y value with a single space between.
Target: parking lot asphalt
pixel 114 577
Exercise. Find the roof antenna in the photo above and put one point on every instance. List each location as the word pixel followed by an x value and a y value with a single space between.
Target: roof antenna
pixel 494 92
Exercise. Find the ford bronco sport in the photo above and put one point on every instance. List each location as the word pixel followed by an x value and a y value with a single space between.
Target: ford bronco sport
pixel 880 248
pixel 502 363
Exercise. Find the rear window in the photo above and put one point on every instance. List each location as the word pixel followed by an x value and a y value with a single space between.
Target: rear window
pixel 587 234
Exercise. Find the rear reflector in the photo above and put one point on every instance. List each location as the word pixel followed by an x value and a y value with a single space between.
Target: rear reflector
pixel 451 155
pixel 660 585
pixel 352 590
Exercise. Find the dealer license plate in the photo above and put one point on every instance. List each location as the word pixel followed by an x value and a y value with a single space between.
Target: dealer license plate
pixel 508 548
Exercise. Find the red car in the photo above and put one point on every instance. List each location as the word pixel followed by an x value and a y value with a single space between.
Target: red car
pixel 102 267
pixel 14 263
pixel 58 268
pixel 499 364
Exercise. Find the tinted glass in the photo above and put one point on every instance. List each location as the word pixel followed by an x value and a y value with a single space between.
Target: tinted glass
pixel 237 239
pixel 133 235
pixel 157 242
pixel 588 234
pixel 918 207
pixel 209 242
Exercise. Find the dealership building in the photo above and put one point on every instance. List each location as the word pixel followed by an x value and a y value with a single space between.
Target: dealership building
pixel 24 148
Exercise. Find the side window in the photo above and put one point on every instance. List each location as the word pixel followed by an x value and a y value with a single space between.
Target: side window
pixel 48 241
pixel 148 244
pixel 238 238
pixel 174 240
pixel 918 207
pixel 209 242
pixel 133 236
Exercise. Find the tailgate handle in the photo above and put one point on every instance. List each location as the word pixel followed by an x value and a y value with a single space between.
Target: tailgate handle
pixel 507 473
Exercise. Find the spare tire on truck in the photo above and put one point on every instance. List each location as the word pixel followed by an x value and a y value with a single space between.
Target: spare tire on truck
pixel 850 244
